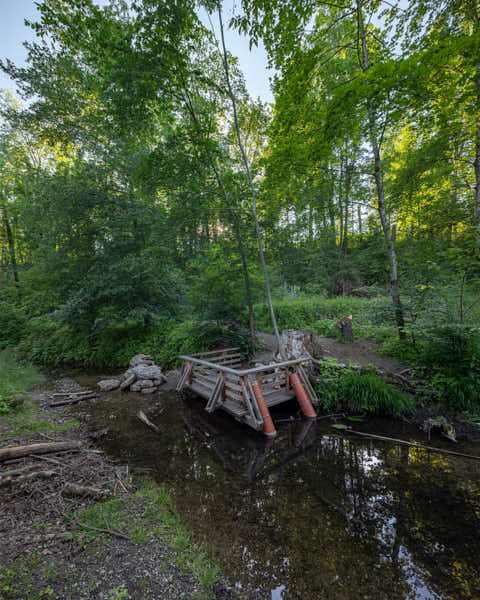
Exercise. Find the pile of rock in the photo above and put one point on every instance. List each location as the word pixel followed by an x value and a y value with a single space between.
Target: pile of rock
pixel 143 375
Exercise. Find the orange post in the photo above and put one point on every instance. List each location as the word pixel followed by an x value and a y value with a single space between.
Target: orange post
pixel 302 397
pixel 268 426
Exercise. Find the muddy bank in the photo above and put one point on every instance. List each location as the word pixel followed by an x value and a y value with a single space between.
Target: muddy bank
pixel 56 545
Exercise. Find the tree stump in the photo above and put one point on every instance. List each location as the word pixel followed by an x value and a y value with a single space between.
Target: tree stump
pixel 345 326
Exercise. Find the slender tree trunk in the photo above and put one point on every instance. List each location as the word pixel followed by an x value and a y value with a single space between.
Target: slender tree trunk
pixel 378 174
pixel 252 188
pixel 359 217
pixel 476 200
pixel 11 247
pixel 235 223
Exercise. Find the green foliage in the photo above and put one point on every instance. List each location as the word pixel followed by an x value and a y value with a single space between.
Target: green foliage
pixel 49 341
pixel 16 377
pixel 197 336
pixel 458 394
pixel 12 324
pixel 353 392
pixel 308 313
pixel 452 348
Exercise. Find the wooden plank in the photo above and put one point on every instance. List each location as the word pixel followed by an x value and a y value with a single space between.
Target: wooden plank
pixel 219 359
pixel 215 351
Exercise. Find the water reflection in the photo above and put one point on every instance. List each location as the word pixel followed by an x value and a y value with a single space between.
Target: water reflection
pixel 311 514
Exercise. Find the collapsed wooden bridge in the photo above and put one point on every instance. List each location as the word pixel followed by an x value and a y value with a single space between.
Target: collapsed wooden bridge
pixel 247 394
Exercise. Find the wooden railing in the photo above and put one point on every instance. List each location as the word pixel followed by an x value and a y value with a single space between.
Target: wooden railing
pixel 217 377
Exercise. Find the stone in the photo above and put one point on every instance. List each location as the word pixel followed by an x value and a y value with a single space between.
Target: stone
pixel 148 372
pixel 158 382
pixel 127 374
pixel 107 385
pixel 141 359
pixel 141 384
pixel 149 390
pixel 127 382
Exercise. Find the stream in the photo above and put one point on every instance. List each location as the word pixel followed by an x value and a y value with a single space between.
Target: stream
pixel 313 514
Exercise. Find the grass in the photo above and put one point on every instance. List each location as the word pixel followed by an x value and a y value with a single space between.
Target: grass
pixel 16 377
pixel 149 513
pixel 31 419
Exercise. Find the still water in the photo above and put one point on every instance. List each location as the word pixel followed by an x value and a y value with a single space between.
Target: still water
pixel 312 514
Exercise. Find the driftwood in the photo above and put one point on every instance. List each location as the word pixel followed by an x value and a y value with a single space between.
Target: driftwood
pixel 28 477
pixel 405 443
pixel 72 489
pixel 45 448
pixel 143 417
pixel 73 399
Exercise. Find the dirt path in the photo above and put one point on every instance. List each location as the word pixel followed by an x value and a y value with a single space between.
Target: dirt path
pixel 361 351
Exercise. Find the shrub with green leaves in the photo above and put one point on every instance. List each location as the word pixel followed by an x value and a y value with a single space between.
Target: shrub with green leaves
pixel 12 324
pixel 354 392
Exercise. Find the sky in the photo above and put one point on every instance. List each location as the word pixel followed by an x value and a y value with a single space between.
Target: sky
pixel 13 33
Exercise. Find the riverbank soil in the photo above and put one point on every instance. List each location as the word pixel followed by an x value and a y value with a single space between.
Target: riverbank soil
pixel 126 543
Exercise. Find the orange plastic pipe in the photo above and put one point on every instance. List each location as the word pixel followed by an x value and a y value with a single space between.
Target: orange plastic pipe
pixel 302 397
pixel 268 426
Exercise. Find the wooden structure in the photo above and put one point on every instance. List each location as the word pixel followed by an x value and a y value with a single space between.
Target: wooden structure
pixel 247 394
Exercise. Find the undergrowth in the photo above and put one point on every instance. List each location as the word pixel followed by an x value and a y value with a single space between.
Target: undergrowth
pixel 15 378
pixel 49 342
pixel 350 391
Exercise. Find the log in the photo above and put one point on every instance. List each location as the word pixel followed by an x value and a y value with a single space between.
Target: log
pixel 45 448
pixel 63 394
pixel 72 489
pixel 143 417
pixel 74 399
pixel 28 477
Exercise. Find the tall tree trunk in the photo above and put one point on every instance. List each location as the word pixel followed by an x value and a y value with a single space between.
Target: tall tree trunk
pixel 378 174
pixel 476 200
pixel 235 224
pixel 11 247
pixel 252 187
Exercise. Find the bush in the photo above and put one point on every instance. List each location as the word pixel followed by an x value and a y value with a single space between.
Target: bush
pixel 305 313
pixel 458 395
pixel 353 392
pixel 50 342
pixel 452 348
pixel 12 324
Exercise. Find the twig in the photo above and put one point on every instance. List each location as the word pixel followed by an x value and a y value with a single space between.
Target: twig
pixel 47 459
pixel 100 530
pixel 404 442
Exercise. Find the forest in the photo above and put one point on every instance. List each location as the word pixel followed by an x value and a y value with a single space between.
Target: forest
pixel 149 204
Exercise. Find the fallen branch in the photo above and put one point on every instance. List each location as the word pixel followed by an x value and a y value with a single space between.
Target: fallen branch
pixel 72 489
pixel 100 530
pixel 143 417
pixel 45 448
pixel 405 443
pixel 74 399
pixel 63 394
pixel 17 471
pixel 22 478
